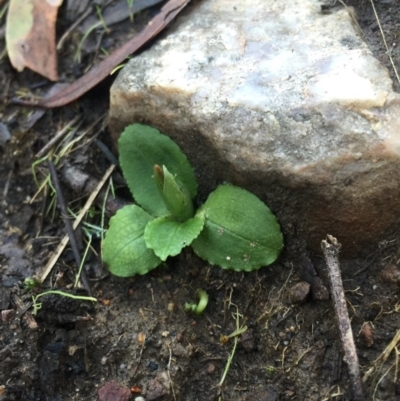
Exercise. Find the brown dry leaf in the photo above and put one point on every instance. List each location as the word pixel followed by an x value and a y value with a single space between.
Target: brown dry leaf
pixel 30 36
pixel 100 71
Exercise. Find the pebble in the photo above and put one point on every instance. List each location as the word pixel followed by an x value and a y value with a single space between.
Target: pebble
pixel 158 387
pixel 210 368
pixel 299 292
pixel 391 273
pixel 367 334
pixel 112 391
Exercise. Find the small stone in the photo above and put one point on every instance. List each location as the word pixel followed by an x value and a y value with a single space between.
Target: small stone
pixel 391 273
pixel 158 387
pixel 152 366
pixel 318 290
pixel 210 368
pixel 7 315
pixel 299 292
pixel 72 349
pixel 367 334
pixel 78 178
pixel 112 391
pixel 141 338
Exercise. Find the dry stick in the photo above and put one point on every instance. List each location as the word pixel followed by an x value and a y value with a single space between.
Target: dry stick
pixel 330 248
pixel 66 34
pixel 52 261
pixel 68 226
pixel 58 136
pixel 388 52
pixel 101 70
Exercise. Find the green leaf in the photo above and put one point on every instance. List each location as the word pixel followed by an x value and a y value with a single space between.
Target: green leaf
pixel 174 195
pixel 141 147
pixel 167 237
pixel 240 231
pixel 124 249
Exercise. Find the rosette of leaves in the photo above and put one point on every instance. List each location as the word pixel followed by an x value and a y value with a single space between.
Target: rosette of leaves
pixel 233 229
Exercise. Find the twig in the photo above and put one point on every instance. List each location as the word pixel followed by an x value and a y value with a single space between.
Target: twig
pixel 66 34
pixel 388 52
pixel 64 241
pixel 68 225
pixel 330 248
pixel 57 137
pixel 101 70
pixel 171 383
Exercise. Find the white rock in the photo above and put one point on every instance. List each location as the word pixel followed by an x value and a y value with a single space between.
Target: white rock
pixel 280 99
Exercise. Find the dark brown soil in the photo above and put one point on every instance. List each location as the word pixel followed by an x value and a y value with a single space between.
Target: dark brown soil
pixel 138 334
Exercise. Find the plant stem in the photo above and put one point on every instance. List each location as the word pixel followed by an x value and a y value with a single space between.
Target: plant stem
pixel 203 301
pixel 62 293
pixel 83 261
pixel 228 363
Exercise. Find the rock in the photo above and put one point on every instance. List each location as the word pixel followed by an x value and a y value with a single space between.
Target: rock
pixel 318 290
pixel 158 387
pixel 112 391
pixel 283 100
pixel 299 292
pixel 367 334
pixel 308 273
pixel 210 368
pixel 391 274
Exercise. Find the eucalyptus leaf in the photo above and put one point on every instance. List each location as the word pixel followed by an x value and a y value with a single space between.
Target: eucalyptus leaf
pixel 240 231
pixel 167 236
pixel 124 248
pixel 142 147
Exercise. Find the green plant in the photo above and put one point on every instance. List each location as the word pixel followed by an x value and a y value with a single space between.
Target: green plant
pixel 198 308
pixel 233 229
pixel 37 305
pixel 224 339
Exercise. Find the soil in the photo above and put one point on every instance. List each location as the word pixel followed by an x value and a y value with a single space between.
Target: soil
pixel 137 340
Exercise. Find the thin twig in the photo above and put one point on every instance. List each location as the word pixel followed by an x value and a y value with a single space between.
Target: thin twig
pixel 53 260
pixel 68 225
pixel 171 383
pixel 66 34
pixel 57 137
pixel 388 52
pixel 330 248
